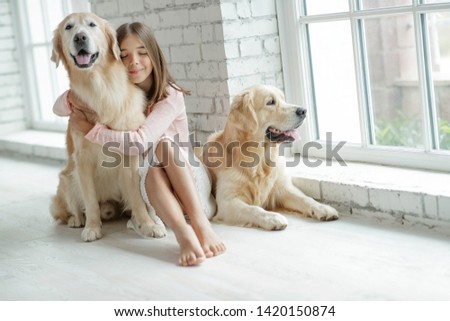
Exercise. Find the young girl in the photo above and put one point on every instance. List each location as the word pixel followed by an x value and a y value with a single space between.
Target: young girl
pixel 171 189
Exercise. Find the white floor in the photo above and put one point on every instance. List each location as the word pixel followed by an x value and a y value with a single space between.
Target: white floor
pixel 349 259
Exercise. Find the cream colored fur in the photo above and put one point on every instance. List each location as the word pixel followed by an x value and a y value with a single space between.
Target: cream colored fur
pixel 253 195
pixel 85 184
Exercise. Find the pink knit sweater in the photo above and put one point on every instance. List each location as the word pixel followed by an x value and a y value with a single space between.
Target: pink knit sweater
pixel 166 119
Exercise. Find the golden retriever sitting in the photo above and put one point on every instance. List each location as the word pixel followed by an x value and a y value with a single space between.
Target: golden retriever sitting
pixel 87 47
pixel 250 180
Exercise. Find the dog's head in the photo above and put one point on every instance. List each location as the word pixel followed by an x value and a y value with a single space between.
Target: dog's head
pixel 263 114
pixel 83 39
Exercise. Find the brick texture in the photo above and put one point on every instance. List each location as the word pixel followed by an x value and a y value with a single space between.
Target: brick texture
pixel 12 112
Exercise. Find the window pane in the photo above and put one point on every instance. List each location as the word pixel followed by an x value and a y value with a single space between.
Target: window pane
pixel 392 61
pixel 42 18
pixel 55 12
pixel 35 21
pixel 42 64
pixel 334 80
pixel 439 29
pixel 326 6
pixel 372 4
pixel 62 79
pixel 435 1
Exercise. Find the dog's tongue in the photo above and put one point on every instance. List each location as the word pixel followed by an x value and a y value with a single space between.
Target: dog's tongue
pixel 292 133
pixel 83 59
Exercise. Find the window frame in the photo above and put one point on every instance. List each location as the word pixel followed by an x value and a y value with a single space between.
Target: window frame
pixel 297 73
pixel 28 72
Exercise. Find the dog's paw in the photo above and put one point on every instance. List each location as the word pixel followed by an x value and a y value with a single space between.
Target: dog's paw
pixel 324 212
pixel 75 221
pixel 159 231
pixel 274 222
pixel 148 229
pixel 90 234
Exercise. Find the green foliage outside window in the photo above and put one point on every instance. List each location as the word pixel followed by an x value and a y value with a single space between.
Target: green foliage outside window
pixel 404 130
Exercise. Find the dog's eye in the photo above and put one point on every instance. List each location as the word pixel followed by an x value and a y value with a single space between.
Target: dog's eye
pixel 91 24
pixel 68 27
pixel 271 102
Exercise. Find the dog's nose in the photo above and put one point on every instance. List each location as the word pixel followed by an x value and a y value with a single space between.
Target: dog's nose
pixel 80 38
pixel 301 112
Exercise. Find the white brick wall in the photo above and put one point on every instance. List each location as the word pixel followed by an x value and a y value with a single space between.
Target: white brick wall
pixel 252 44
pixel 396 201
pixel 263 8
pixel 444 208
pixel 215 48
pixel 12 113
pixel 336 192
pixel 185 53
pixel 430 206
pixel 250 47
pixel 130 6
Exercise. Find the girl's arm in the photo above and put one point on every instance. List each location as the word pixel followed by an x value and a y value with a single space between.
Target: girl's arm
pixel 68 105
pixel 147 136
pixel 61 107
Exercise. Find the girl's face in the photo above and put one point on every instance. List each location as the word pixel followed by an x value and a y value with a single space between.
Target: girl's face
pixel 136 59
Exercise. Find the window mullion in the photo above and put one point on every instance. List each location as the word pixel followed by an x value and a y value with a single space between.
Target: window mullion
pixel 362 83
pixel 51 71
pixel 308 77
pixel 306 45
pixel 295 67
pixel 29 73
pixel 425 82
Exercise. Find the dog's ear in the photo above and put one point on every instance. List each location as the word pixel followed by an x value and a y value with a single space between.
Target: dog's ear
pixel 243 112
pixel 57 47
pixel 112 40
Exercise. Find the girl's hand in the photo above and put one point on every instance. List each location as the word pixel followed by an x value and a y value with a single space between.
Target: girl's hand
pixel 77 103
pixel 78 122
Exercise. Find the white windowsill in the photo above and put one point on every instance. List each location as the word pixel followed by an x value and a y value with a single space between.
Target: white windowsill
pixel 386 194
pixel 35 144
pixel 383 193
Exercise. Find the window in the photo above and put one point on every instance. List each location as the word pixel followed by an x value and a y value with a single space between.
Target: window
pixel 44 82
pixel 375 74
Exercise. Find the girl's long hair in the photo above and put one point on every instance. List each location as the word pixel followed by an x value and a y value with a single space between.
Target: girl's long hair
pixel 161 77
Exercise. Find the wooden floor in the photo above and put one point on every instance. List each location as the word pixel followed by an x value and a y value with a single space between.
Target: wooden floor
pixel 350 259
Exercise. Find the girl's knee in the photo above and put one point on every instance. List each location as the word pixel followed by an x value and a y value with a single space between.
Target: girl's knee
pixel 153 175
pixel 165 151
pixel 156 179
pixel 164 144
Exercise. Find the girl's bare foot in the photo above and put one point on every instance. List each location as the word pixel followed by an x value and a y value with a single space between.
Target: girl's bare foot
pixel 190 248
pixel 210 242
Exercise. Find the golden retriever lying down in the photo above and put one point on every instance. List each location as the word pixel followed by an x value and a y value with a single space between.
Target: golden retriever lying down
pixel 87 46
pixel 250 180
